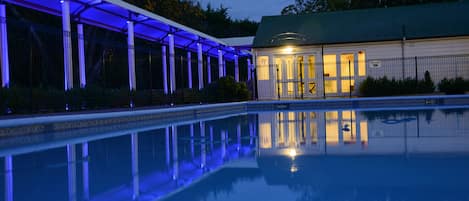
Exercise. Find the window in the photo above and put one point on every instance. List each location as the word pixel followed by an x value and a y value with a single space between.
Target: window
pixel 330 65
pixel 330 86
pixel 361 63
pixel 348 85
pixel 263 68
pixel 347 67
pixel 265 133
pixel 311 67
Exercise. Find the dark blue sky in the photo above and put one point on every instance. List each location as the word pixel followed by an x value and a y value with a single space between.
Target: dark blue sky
pixel 252 9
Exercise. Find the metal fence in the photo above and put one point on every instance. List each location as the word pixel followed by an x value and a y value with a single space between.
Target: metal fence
pixel 295 79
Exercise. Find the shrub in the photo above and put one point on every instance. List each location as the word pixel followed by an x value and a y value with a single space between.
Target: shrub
pixel 385 87
pixel 453 86
pixel 225 89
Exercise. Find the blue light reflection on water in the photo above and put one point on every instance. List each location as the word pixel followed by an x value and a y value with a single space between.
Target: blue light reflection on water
pixel 332 155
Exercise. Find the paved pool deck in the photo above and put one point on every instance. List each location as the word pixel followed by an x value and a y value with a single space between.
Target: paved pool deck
pixel 25 125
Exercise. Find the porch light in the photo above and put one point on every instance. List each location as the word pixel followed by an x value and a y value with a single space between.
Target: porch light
pixel 292 153
pixel 288 50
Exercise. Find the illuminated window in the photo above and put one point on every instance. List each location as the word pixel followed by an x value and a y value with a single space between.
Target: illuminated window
pixel 263 68
pixel 314 132
pixel 332 128
pixel 278 65
pixel 364 132
pixel 266 139
pixel 349 128
pixel 347 65
pixel 311 67
pixel 330 86
pixel 361 63
pixel 301 69
pixel 330 65
pixel 289 62
pixel 347 86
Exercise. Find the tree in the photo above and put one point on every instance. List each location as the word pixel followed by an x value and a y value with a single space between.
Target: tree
pixel 314 6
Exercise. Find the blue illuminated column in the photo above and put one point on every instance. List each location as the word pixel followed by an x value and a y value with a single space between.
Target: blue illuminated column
pixel 209 70
pixel 210 130
pixel 224 68
pixel 135 177
pixel 175 152
pixel 165 69
pixel 238 134
pixel 220 64
pixel 223 144
pixel 72 172
pixel 203 157
pixel 86 171
pixel 249 69
pixel 236 68
pixel 168 159
pixel 81 55
pixel 4 47
pixel 200 65
pixel 67 40
pixel 191 131
pixel 172 66
pixel 131 54
pixel 189 69
pixel 8 178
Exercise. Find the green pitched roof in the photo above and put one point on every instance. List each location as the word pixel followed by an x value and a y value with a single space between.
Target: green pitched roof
pixel 382 24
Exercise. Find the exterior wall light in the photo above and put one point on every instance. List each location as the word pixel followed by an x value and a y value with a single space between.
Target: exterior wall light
pixel 288 50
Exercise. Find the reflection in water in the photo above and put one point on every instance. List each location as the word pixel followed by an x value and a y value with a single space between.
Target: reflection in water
pixel 309 155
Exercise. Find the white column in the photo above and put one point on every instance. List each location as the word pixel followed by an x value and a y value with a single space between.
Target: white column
pixel 168 154
pixel 86 171
pixel 191 132
pixel 238 134
pixel 249 69
pixel 220 64
pixel 175 152
pixel 131 54
pixel 8 178
pixel 223 144
pixel 189 69
pixel 209 70
pixel 72 172
pixel 4 47
pixel 172 66
pixel 67 40
pixel 165 70
pixel 203 157
pixel 81 55
pixel 135 176
pixel 236 68
pixel 200 66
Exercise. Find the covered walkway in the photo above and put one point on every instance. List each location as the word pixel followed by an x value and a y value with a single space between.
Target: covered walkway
pixel 119 16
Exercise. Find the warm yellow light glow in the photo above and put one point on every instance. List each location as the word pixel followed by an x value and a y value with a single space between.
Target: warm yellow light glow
pixel 293 169
pixel 292 153
pixel 288 50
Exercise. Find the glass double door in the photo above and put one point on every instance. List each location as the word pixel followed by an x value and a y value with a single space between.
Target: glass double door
pixel 295 76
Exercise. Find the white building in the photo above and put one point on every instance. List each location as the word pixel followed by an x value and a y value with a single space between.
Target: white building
pixel 329 54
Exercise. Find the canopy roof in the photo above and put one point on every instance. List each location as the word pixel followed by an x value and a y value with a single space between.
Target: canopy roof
pixel 367 25
pixel 114 14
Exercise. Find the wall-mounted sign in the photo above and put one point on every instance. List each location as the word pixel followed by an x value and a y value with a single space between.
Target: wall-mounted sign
pixel 375 64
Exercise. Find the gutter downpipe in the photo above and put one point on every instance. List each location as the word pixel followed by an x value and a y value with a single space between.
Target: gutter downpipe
pixel 323 81
pixel 403 51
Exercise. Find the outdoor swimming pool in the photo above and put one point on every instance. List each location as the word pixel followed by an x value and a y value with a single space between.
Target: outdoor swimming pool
pixel 283 155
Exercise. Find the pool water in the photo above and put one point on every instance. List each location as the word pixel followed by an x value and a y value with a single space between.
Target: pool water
pixel 284 155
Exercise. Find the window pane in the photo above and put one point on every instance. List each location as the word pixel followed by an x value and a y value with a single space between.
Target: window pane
pixel 330 65
pixel 347 65
pixel 330 86
pixel 311 67
pixel 263 68
pixel 361 63
pixel 347 85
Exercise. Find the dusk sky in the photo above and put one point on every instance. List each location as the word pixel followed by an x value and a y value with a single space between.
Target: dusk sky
pixel 252 9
